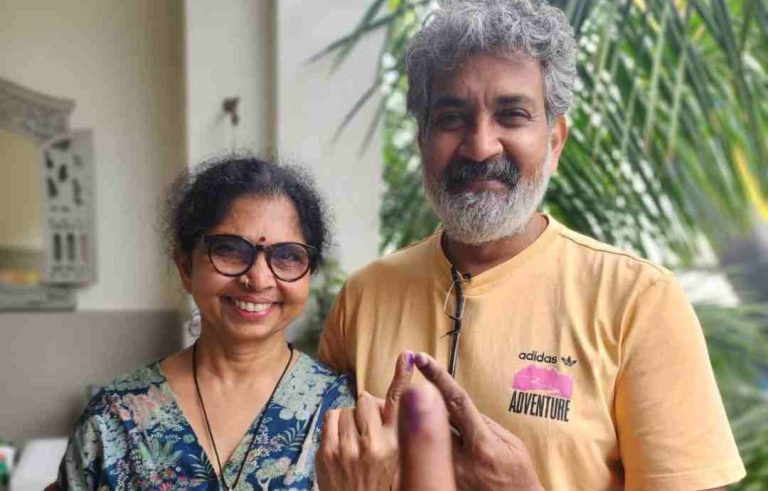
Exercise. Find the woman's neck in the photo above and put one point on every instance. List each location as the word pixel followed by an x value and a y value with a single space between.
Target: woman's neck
pixel 241 364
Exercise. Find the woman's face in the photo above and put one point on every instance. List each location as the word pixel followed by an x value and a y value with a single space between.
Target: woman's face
pixel 271 303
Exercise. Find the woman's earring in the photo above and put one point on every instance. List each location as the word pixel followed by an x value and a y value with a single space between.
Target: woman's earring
pixel 193 324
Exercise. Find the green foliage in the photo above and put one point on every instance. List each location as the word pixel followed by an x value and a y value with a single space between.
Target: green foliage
pixel 738 346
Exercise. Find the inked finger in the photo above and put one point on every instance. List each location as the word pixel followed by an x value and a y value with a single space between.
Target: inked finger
pixel 400 381
pixel 425 441
pixel 462 411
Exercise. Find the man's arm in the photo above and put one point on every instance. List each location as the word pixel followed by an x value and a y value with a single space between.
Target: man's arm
pixel 332 350
pixel 672 428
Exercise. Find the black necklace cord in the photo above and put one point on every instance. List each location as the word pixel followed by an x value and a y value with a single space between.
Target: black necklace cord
pixel 458 316
pixel 258 421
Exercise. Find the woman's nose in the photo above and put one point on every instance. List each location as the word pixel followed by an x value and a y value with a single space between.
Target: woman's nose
pixel 259 275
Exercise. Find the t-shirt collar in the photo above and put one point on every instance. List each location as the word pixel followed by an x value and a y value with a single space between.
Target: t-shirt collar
pixel 501 270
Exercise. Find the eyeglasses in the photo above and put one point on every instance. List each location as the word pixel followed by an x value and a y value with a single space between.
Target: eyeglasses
pixel 232 255
pixel 457 316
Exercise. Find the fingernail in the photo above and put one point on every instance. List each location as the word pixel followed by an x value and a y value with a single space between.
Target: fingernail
pixel 414 408
pixel 420 359
pixel 409 360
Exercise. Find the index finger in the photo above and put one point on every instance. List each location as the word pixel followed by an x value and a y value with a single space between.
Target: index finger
pixel 400 381
pixel 462 411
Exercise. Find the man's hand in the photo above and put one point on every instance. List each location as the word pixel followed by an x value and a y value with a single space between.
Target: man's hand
pixel 425 441
pixel 485 455
pixel 358 450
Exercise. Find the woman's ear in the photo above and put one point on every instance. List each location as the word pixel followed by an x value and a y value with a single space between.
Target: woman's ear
pixel 184 268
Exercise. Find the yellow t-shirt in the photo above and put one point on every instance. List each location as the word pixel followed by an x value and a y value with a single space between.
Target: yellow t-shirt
pixel 592 356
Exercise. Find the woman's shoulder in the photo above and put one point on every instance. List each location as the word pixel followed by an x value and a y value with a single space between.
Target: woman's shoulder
pixel 145 380
pixel 313 386
pixel 136 381
pixel 314 369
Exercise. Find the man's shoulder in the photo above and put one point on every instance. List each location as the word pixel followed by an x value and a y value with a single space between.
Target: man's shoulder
pixel 607 259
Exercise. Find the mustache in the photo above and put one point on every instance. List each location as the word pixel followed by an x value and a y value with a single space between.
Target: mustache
pixel 500 168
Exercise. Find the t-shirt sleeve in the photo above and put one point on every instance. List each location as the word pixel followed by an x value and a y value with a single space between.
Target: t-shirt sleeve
pixel 672 427
pixel 332 350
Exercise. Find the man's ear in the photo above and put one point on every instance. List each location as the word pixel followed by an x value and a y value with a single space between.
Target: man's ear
pixel 558 136
pixel 184 268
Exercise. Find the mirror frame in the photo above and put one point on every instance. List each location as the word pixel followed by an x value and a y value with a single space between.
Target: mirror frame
pixel 40 117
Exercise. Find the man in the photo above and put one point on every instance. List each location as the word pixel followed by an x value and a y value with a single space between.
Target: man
pixel 577 365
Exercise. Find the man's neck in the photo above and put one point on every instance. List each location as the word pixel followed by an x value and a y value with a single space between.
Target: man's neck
pixel 475 259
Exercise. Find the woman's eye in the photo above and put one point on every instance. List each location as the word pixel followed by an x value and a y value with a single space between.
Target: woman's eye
pixel 225 250
pixel 289 256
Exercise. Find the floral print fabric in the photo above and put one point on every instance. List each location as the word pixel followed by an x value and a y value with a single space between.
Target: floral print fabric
pixel 133 435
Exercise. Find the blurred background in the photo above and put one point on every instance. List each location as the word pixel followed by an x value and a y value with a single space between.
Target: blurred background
pixel 667 156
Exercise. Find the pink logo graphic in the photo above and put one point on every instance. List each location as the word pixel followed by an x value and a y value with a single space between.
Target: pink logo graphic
pixel 543 379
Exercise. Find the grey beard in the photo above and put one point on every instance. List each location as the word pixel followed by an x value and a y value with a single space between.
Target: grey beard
pixel 475 218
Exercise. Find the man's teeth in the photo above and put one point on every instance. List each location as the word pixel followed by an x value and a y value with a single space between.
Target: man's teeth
pixel 252 307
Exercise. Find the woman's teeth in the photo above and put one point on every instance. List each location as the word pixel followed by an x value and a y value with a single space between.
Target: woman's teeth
pixel 252 307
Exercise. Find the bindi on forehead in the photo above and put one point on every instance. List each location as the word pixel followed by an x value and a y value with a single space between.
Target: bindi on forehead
pixel 262 239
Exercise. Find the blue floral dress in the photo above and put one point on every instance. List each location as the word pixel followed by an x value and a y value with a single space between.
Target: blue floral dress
pixel 133 435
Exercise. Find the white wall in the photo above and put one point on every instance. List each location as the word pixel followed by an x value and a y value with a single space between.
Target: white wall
pixel 122 64
pixel 258 50
pixel 229 47
pixel 312 103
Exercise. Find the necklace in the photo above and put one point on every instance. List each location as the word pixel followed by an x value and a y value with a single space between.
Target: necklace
pixel 258 421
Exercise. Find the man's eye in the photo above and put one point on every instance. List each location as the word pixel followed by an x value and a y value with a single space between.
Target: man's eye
pixel 449 120
pixel 513 115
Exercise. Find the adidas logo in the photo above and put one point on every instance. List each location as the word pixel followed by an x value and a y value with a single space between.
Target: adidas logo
pixel 568 361
pixel 540 357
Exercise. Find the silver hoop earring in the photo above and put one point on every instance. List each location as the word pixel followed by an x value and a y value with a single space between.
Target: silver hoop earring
pixel 193 324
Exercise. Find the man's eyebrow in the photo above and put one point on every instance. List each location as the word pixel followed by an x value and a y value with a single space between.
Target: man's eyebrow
pixel 444 101
pixel 510 100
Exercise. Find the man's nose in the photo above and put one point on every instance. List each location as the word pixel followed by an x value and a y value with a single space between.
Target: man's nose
pixel 481 142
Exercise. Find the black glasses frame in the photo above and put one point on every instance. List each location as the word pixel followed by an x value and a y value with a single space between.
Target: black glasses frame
pixel 210 240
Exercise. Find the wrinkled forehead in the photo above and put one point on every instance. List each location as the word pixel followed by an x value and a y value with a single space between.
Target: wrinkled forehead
pixel 489 76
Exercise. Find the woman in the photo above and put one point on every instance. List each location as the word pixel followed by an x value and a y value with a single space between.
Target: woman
pixel 240 409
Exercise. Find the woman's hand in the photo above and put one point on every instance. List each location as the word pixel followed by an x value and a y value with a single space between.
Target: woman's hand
pixel 359 450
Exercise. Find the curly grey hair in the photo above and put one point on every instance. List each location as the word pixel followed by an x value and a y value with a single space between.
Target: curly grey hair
pixel 461 28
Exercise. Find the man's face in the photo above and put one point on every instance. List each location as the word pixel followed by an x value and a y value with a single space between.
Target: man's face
pixel 487 149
